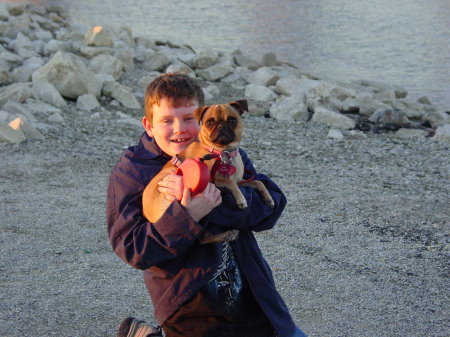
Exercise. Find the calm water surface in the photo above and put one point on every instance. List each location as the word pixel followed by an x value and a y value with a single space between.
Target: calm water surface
pixel 403 42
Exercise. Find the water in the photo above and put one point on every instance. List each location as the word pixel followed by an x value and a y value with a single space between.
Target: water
pixel 403 42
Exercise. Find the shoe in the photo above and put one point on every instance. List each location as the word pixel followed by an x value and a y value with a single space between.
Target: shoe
pixel 132 327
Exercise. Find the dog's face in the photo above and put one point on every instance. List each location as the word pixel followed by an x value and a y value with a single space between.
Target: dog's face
pixel 221 124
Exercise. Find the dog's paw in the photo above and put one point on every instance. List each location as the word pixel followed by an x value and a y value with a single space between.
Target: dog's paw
pixel 242 203
pixel 269 202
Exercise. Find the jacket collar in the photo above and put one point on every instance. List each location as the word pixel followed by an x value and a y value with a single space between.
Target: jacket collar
pixel 148 149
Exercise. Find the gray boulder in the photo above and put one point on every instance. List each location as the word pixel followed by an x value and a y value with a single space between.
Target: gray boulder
pixel 243 61
pixel 107 64
pixel 17 92
pixel 122 94
pixel 99 36
pixel 269 60
pixel 20 110
pixel 292 108
pixel 9 135
pixel 389 116
pixel 205 59
pixel 215 73
pixel 30 132
pixel 442 133
pixel 333 119
pixel 46 92
pixel 436 118
pixel 259 93
pixel 87 102
pixel 156 61
pixel 263 76
pixel 68 73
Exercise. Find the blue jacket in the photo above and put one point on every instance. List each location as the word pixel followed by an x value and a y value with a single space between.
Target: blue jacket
pixel 175 265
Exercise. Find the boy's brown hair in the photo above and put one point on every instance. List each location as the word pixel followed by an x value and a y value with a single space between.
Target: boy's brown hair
pixel 177 88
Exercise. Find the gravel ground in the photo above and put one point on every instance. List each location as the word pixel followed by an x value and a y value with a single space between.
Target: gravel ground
pixel 361 250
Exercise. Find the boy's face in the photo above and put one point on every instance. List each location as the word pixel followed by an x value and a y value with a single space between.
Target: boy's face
pixel 173 128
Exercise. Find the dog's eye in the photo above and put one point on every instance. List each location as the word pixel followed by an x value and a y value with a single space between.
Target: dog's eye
pixel 232 120
pixel 210 122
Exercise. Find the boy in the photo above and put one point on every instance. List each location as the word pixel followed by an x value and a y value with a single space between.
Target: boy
pixel 211 290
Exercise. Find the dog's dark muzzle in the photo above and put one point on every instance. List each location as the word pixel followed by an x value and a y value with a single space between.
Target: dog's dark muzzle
pixel 222 134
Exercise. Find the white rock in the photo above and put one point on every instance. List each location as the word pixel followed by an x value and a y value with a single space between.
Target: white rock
pixel 87 102
pixel 335 134
pixel 442 133
pixel 269 60
pixel 241 60
pixel 147 79
pixel 10 57
pixel 146 43
pixel 389 116
pixel 436 118
pixel 179 67
pixel 23 73
pixel 99 36
pixel 259 93
pixel 27 129
pixel 333 119
pixel 69 75
pixel 17 92
pixel 19 110
pixel 40 109
pixel 122 94
pixel 290 108
pixel 205 59
pixel 288 85
pixel 156 61
pixel 263 76
pixel 215 73
pixel 21 41
pixel 127 57
pixel 56 118
pixel 107 64
pixel 9 135
pixel 46 92
pixel 410 108
pixel 398 91
pixel 410 133
pixel 5 116
pixel 424 100
pixel 4 12
pixel 43 35
pixel 342 93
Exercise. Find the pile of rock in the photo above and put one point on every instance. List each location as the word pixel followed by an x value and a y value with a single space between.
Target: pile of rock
pixel 46 64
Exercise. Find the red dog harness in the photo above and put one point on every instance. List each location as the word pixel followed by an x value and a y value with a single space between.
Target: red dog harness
pixel 196 174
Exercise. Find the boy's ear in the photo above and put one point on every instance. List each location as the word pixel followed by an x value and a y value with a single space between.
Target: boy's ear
pixel 147 126
pixel 241 106
pixel 199 112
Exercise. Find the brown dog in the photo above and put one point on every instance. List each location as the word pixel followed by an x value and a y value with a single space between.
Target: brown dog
pixel 219 136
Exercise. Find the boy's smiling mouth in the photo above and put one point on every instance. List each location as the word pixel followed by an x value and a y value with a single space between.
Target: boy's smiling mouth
pixel 180 140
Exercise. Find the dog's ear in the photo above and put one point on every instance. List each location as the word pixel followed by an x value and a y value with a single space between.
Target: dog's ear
pixel 199 112
pixel 241 106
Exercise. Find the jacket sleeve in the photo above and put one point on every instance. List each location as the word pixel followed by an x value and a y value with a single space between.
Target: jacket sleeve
pixel 135 240
pixel 257 216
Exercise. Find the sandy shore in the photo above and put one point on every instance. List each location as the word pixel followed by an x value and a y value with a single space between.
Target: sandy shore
pixel 361 250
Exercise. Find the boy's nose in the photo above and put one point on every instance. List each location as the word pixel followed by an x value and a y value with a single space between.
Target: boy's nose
pixel 179 126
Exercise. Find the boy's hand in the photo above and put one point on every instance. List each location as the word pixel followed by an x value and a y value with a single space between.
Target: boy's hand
pixel 203 203
pixel 172 187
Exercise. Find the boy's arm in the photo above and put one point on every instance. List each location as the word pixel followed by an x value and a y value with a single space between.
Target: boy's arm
pixel 135 240
pixel 257 216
